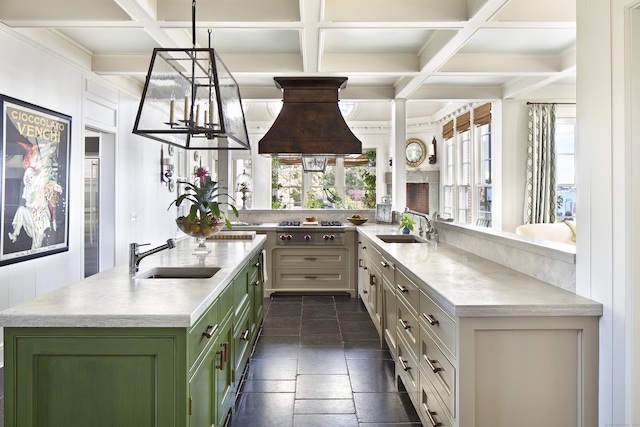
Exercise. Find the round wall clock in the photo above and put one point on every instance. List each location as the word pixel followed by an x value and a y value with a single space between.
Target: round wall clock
pixel 415 151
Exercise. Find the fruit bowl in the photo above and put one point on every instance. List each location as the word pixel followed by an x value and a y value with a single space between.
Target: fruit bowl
pixel 200 232
pixel 357 221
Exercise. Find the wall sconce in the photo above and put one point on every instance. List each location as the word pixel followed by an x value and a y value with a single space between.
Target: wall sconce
pixel 432 151
pixel 166 170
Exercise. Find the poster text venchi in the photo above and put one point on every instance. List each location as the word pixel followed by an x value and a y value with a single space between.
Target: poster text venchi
pixel 33 126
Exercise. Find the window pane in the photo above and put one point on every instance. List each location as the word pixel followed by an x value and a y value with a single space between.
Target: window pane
pixel 565 137
pixel 566 201
pixel 565 169
pixel 464 205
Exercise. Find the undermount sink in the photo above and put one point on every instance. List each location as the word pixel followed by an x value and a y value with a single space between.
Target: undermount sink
pixel 401 238
pixel 178 273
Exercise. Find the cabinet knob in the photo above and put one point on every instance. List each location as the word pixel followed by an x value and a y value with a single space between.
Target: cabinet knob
pixel 404 364
pixel 256 283
pixel 245 335
pixel 402 288
pixel 384 264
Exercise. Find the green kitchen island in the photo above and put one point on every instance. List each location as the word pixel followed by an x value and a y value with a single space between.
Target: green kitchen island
pixel 117 349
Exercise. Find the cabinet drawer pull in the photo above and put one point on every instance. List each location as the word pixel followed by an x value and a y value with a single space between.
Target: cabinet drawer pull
pixel 256 283
pixel 364 291
pixel 373 280
pixel 360 262
pixel 384 264
pixel 432 366
pixel 310 258
pixel 404 364
pixel 256 265
pixel 224 355
pixel 245 335
pixel 432 321
pixel 404 324
pixel 402 289
pixel 430 414
pixel 211 329
pixel 310 277
pixel 364 247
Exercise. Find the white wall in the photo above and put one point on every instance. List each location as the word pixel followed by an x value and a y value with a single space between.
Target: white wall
pixel 33 74
pixel 607 160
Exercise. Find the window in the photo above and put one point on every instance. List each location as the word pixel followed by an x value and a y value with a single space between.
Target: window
pixel 468 174
pixel 341 186
pixel 484 177
pixel 287 185
pixel 448 184
pixel 464 177
pixel 355 187
pixel 565 168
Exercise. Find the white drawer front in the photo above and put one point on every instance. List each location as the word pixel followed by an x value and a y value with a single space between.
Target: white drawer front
pixel 408 326
pixel 408 291
pixel 429 408
pixel 438 322
pixel 438 369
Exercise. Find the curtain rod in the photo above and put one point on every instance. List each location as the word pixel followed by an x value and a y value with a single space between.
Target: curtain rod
pixel 557 103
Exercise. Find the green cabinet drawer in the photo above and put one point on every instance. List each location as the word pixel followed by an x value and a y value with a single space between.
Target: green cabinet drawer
pixel 201 333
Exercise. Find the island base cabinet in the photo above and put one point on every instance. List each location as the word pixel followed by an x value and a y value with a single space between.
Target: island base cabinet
pixel 528 372
pixel 94 377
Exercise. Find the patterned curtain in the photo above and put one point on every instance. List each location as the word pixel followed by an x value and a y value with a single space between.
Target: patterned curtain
pixel 540 197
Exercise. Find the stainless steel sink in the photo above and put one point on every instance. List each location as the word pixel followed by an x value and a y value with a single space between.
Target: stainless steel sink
pixel 401 238
pixel 178 273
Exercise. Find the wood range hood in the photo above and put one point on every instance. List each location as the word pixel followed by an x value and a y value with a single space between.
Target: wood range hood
pixel 310 122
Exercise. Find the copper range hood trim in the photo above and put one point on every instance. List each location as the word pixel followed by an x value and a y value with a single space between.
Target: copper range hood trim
pixel 310 122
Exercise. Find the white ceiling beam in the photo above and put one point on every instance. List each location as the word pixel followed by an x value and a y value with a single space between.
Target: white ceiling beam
pixel 144 12
pixel 310 40
pixel 437 59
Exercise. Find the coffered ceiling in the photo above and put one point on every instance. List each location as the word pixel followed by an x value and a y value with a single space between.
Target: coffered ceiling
pixel 432 51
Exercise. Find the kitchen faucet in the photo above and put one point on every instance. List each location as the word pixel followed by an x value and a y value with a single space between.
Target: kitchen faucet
pixel 135 256
pixel 430 231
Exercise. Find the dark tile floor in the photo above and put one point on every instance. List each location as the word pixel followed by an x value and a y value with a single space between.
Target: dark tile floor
pixel 318 362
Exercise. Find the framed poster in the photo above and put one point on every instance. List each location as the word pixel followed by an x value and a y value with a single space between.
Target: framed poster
pixel 34 181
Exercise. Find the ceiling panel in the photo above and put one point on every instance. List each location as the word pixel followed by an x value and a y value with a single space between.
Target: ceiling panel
pixel 430 50
pixel 111 40
pixel 250 40
pixel 375 40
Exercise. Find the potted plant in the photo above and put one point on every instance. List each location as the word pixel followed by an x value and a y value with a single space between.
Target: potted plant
pixel 369 181
pixel 205 217
pixel 370 155
pixel 406 223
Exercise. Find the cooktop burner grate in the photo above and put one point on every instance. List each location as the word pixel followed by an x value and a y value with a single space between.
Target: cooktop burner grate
pixel 331 223
pixel 289 224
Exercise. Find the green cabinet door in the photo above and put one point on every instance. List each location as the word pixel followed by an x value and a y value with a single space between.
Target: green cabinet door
pixel 94 377
pixel 222 374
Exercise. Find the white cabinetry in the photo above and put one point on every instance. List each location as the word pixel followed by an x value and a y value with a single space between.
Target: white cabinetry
pixel 483 371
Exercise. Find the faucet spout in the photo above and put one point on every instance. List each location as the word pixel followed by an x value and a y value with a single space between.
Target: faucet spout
pixel 135 256
pixel 429 231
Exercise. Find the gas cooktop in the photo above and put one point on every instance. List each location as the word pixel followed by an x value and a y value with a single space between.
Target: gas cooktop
pixel 321 223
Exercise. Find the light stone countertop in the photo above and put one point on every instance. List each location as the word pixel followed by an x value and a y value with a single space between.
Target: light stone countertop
pixel 114 298
pixel 467 285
